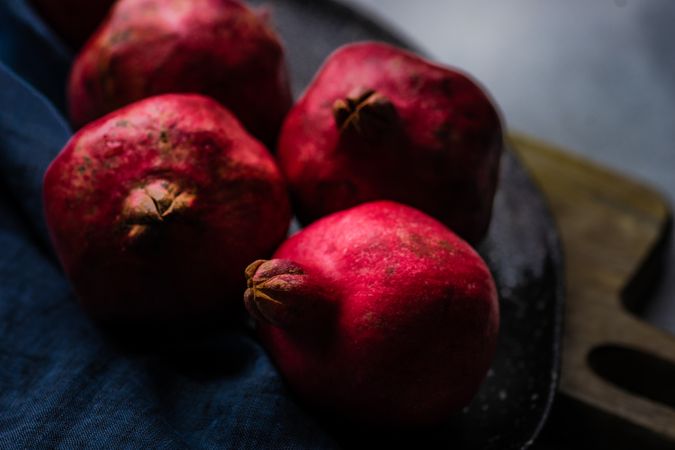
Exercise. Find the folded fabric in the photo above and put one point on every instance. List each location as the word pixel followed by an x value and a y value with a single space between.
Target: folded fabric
pixel 63 382
pixel 30 49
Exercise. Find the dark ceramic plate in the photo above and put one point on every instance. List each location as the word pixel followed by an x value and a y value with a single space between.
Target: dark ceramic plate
pixel 522 249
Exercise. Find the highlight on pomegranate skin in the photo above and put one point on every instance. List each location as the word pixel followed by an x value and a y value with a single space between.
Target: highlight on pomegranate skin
pixel 156 209
pixel 378 122
pixel 219 48
pixel 379 314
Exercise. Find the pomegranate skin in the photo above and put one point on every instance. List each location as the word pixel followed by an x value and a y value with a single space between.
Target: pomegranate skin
pixel 74 20
pixel 155 210
pixel 218 48
pixel 401 323
pixel 378 122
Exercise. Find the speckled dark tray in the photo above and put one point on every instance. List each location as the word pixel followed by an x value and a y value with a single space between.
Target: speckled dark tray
pixel 522 250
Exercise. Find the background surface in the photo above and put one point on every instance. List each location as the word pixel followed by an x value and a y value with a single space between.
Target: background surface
pixel 597 78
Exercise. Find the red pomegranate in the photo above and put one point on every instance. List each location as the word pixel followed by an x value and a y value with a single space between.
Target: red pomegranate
pixel 378 122
pixel 156 209
pixel 379 314
pixel 218 48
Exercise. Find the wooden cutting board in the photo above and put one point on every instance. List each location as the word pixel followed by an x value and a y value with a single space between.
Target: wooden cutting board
pixel 618 372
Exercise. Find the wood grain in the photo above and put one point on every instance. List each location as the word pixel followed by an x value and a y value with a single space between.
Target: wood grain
pixel 612 230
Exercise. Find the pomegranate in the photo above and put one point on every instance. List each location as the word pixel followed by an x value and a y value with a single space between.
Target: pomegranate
pixel 378 122
pixel 218 48
pixel 73 20
pixel 379 314
pixel 155 210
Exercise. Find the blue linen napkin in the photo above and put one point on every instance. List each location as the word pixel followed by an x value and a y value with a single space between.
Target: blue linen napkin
pixel 63 382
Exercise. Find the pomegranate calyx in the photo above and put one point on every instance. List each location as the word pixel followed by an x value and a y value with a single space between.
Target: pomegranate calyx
pixel 154 203
pixel 268 284
pixel 366 113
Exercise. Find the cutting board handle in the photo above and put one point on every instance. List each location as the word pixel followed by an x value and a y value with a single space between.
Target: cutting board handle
pixel 618 372
pixel 639 371
pixel 632 375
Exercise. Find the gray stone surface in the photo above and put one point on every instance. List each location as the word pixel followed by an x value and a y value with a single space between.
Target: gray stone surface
pixel 596 77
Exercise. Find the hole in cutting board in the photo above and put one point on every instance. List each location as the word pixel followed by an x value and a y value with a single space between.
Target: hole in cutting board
pixel 641 373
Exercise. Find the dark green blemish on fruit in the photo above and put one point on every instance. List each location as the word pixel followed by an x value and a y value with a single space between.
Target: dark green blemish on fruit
pixel 448 134
pixel 415 81
pixel 164 137
pixel 120 37
pixel 419 246
pixel 84 165
pixel 446 245
pixel 371 320
pixel 418 241
pixel 122 123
